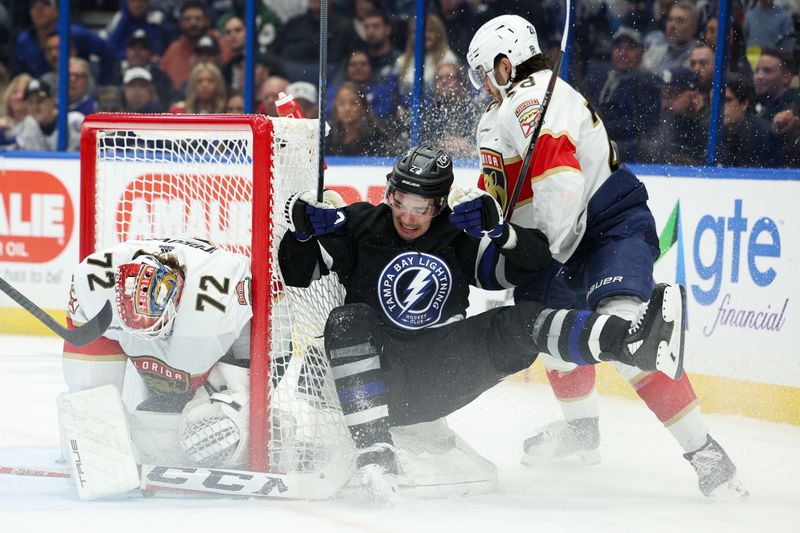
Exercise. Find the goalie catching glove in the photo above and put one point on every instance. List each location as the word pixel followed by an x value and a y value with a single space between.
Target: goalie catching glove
pixel 308 217
pixel 214 427
pixel 479 215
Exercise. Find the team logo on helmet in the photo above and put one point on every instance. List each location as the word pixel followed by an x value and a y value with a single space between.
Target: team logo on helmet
pixel 413 289
pixel 495 181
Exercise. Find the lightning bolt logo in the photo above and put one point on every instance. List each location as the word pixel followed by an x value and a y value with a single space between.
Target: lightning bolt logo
pixel 417 289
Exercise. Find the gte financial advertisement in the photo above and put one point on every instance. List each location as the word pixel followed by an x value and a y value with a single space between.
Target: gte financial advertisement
pixel 732 242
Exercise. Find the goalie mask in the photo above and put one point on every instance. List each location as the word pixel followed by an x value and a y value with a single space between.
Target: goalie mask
pixel 508 35
pixel 422 171
pixel 147 296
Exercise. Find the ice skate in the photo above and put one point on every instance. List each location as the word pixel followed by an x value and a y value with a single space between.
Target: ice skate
pixel 564 442
pixel 377 466
pixel 716 473
pixel 655 339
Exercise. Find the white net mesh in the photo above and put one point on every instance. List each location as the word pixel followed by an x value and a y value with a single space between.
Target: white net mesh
pixel 161 179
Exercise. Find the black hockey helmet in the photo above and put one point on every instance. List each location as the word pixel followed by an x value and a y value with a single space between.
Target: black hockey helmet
pixel 424 171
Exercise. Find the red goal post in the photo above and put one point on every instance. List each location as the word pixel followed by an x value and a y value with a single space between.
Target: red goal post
pixel 225 178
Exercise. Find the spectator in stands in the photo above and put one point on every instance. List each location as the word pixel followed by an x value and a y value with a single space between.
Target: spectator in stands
pixel 437 51
pixel 233 31
pixel 378 37
pixel 627 97
pixel 268 94
pixel 682 135
pixel 654 31
pixel 306 96
pixel 139 54
pixel 13 109
pixel 267 21
pixel 449 123
pixel 360 9
pixel 205 91
pixel 772 78
pixel 382 95
pixel 702 61
pixel 39 130
pixel 206 51
pixel 81 87
pixel 459 20
pixel 298 42
pixel 194 24
pixel 139 93
pixel 747 141
pixel 680 39
pixel 354 129
pixel 737 50
pixel 135 15
pixel 765 24
pixel 235 103
pixel 29 53
pixel 51 48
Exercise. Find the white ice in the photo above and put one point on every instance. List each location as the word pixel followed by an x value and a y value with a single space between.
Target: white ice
pixel 643 483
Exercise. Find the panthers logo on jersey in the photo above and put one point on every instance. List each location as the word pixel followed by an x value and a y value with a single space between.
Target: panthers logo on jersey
pixel 413 289
pixel 495 179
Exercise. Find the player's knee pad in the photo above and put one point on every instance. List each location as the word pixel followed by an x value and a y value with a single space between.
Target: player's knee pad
pixel 351 325
pixel 214 427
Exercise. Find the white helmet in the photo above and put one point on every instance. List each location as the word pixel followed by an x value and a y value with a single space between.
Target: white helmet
pixel 509 35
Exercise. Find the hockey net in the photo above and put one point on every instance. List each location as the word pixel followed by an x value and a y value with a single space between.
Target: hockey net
pixel 226 178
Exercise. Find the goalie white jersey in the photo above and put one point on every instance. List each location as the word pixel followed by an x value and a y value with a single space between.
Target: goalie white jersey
pixel 214 310
pixel 571 158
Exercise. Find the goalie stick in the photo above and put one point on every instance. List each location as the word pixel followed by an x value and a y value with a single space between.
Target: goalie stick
pixel 84 334
pixel 221 481
pixel 526 163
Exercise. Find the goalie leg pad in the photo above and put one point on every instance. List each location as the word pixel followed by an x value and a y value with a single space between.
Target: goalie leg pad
pixel 101 455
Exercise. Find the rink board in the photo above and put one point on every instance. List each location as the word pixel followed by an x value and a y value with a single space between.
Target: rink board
pixel 735 249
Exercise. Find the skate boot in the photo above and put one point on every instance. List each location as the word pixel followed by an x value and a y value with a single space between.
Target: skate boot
pixel 655 339
pixel 716 473
pixel 377 465
pixel 565 442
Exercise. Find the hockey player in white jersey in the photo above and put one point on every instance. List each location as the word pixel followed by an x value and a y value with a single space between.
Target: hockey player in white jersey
pixel 180 306
pixel 601 233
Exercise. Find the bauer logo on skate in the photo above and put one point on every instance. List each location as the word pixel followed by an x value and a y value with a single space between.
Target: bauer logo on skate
pixel 413 289
pixel 172 204
pixel 36 217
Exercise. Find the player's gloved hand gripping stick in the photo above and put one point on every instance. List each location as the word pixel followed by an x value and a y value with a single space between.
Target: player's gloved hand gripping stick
pixel 308 217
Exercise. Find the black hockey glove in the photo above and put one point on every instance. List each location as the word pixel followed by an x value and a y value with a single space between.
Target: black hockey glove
pixel 309 218
pixel 477 213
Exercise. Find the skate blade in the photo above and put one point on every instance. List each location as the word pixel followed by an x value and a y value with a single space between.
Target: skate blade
pixel 730 491
pixel 669 359
pixel 579 458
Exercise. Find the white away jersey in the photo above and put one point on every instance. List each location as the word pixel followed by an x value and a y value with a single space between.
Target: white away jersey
pixel 570 163
pixel 214 307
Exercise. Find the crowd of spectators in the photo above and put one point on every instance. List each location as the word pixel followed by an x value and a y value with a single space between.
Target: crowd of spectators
pixel 646 67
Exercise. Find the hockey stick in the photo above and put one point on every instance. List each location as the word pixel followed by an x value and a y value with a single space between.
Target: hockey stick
pixel 19 471
pixel 189 479
pixel 86 333
pixel 526 163
pixel 323 94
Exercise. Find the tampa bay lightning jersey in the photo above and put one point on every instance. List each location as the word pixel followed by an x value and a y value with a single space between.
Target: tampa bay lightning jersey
pixel 411 284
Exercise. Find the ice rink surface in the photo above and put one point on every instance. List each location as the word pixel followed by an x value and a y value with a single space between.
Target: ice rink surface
pixel 642 484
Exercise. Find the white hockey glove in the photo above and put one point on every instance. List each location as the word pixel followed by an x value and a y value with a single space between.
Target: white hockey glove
pixel 214 428
pixel 309 218
pixel 478 214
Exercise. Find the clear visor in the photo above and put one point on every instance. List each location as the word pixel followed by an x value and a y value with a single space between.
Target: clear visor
pixel 477 77
pixel 412 204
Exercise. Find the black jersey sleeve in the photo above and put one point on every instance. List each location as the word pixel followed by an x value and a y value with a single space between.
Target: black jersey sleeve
pixel 303 262
pixel 496 268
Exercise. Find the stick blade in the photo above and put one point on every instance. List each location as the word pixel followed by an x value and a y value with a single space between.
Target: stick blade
pixel 91 330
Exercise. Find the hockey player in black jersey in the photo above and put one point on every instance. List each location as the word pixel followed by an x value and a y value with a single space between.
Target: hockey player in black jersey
pixel 401 349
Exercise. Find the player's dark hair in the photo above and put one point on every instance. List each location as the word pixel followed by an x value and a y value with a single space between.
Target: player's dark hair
pixel 532 65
